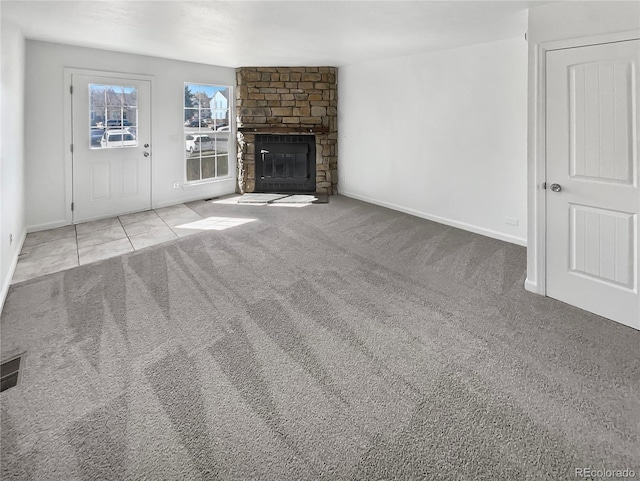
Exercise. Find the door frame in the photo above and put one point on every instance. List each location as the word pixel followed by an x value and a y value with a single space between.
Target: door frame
pixel 536 280
pixel 69 72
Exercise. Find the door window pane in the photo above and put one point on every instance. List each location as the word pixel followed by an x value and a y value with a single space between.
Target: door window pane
pixel 113 114
pixel 206 117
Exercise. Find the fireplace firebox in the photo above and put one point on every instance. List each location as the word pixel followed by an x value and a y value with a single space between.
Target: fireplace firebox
pixel 285 163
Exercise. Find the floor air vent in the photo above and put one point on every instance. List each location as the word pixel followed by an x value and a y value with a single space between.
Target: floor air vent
pixel 10 372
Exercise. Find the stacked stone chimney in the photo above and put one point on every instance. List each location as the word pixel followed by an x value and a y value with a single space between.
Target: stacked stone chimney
pixel 288 100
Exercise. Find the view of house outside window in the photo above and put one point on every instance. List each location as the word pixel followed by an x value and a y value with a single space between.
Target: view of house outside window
pixel 206 128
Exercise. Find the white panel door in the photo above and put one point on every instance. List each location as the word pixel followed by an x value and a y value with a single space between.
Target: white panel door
pixel 593 200
pixel 111 138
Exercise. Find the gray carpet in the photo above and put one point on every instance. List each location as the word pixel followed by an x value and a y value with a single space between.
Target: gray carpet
pixel 340 341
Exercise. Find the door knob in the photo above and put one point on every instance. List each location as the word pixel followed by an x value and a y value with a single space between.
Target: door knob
pixel 146 154
pixel 556 187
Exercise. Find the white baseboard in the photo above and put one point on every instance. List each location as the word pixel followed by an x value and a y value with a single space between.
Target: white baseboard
pixel 6 282
pixel 158 205
pixel 47 226
pixel 441 220
pixel 532 286
pixel 169 203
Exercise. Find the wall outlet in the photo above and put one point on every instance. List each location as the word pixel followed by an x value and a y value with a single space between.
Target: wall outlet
pixel 512 221
pixel 176 185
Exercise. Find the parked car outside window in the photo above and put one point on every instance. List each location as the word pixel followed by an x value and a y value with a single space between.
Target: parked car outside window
pixel 195 123
pixel 199 143
pixel 117 138
pixel 96 137
pixel 118 123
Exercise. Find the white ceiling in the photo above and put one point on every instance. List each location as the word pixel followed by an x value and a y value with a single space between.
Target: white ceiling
pixel 244 33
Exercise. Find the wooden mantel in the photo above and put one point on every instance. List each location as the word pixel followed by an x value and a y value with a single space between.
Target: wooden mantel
pixel 284 130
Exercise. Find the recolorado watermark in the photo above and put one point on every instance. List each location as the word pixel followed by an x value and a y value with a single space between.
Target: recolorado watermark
pixel 602 473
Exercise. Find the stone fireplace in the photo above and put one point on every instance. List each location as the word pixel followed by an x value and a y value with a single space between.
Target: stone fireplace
pixel 293 112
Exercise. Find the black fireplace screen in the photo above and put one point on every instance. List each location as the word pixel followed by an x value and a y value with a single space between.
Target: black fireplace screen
pixel 285 163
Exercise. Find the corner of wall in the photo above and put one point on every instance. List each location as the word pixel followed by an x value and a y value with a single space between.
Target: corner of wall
pixel 12 153
pixel 6 280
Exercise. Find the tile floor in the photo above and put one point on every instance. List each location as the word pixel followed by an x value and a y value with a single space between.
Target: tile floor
pixel 54 250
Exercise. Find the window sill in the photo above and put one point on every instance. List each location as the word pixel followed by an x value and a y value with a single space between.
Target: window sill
pixel 197 183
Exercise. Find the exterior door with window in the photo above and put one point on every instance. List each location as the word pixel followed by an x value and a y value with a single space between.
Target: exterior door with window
pixel 111 146
pixel 593 197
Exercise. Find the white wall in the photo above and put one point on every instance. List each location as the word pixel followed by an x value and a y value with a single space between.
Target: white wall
pixel 12 196
pixel 565 21
pixel 441 135
pixel 47 190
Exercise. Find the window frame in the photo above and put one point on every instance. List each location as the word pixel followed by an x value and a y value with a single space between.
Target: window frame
pixel 230 154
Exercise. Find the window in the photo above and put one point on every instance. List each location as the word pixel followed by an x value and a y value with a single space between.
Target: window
pixel 206 114
pixel 113 116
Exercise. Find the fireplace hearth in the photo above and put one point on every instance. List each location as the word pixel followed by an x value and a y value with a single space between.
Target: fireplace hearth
pixel 287 129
